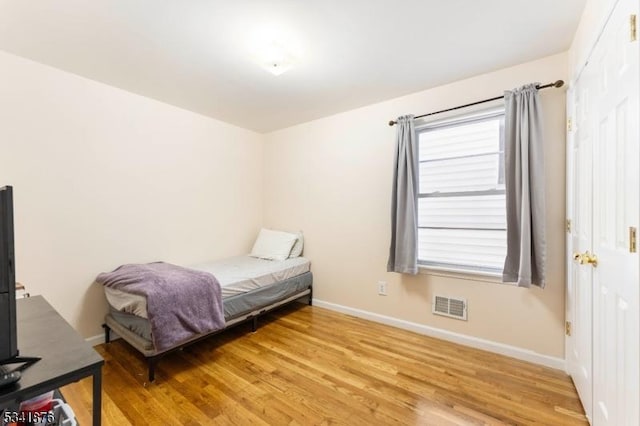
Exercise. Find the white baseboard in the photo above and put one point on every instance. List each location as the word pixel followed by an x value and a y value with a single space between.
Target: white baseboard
pixel 98 339
pixel 462 339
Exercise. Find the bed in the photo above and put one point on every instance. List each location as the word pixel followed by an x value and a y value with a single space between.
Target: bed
pixel 250 287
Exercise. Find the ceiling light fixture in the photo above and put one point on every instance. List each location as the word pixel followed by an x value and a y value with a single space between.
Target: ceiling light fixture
pixel 275 58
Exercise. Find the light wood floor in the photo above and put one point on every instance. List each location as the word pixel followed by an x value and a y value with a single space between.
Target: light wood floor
pixel 307 365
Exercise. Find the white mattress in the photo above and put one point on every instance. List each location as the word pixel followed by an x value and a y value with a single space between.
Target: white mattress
pixel 236 275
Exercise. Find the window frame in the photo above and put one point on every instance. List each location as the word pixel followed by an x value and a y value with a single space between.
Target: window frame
pixel 454 269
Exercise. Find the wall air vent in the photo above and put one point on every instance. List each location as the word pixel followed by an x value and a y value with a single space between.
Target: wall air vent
pixel 449 307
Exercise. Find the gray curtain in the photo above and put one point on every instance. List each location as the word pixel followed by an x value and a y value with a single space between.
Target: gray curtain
pixel 524 180
pixel 403 254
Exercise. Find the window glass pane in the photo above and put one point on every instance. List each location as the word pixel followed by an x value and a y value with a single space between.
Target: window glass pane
pixel 481 249
pixel 478 137
pixel 475 173
pixel 481 211
pixel 461 209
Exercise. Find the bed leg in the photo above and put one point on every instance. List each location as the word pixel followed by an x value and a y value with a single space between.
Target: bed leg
pixel 152 361
pixel 254 324
pixel 107 334
pixel 310 296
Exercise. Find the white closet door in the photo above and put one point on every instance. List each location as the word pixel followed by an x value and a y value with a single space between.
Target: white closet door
pixel 580 292
pixel 616 213
pixel 603 290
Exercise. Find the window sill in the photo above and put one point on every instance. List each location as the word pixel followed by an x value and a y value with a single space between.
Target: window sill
pixel 484 276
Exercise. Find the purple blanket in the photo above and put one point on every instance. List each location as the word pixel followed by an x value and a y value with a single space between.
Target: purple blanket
pixel 181 302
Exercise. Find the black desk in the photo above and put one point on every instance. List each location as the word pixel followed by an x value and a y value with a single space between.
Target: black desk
pixel 66 357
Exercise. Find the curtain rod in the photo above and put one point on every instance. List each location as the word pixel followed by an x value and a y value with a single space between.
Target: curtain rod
pixel 558 83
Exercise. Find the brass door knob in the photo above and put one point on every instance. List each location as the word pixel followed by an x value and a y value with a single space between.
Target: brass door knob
pixel 586 258
pixel 590 259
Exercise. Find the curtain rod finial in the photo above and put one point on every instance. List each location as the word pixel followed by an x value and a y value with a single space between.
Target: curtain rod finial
pixel 391 122
pixel 559 83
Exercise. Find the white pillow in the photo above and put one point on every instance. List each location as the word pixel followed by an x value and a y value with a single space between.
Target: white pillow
pixel 273 245
pixel 297 247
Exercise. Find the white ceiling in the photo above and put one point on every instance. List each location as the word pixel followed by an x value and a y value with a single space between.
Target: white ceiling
pixel 197 54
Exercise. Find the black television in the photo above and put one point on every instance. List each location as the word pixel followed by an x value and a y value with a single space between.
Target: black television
pixel 9 353
pixel 8 328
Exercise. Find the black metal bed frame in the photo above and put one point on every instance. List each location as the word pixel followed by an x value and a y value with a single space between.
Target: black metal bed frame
pixel 152 361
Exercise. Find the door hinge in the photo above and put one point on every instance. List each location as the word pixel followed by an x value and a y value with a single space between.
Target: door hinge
pixel 569 225
pixel 633 239
pixel 567 328
pixel 569 125
pixel 633 27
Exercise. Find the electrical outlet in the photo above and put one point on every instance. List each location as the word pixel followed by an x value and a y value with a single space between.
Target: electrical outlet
pixel 382 288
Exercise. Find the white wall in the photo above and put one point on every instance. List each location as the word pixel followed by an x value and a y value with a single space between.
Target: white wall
pixel 103 177
pixel 331 178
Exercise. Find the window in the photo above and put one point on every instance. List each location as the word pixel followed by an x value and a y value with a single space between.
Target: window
pixel 461 205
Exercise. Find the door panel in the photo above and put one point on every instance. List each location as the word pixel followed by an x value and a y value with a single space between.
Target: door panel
pixel 615 192
pixel 579 359
pixel 604 297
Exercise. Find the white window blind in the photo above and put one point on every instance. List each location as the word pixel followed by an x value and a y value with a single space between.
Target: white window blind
pixel 461 206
